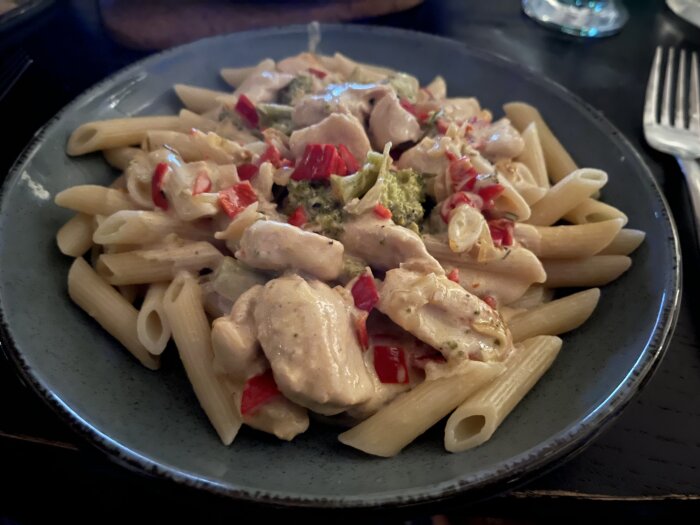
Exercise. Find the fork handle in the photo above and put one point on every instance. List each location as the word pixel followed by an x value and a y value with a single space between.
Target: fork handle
pixel 691 170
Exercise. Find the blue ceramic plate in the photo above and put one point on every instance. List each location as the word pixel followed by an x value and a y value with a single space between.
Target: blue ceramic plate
pixel 152 422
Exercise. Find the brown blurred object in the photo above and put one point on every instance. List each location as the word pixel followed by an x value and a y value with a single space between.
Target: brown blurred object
pixel 158 24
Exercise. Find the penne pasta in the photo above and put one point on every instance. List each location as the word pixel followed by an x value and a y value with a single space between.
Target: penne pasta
pixel 199 99
pixel 115 133
pixel 75 236
pixel 568 242
pixel 598 270
pixel 555 317
pixel 120 158
pixel 129 292
pixel 474 421
pixel 534 296
pixel 412 413
pixel 94 200
pixel 142 227
pixel 103 303
pixel 558 161
pixel 234 76
pixel 192 120
pixel 180 142
pixel 533 156
pixel 591 210
pixel 157 264
pixel 182 304
pixel 152 326
pixel 624 243
pixel 566 195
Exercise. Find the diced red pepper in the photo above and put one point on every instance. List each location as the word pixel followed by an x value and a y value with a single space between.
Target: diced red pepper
pixel 450 156
pixel 339 167
pixel 490 300
pixel 364 291
pixel 271 155
pixel 361 329
pixel 424 354
pixel 237 198
pixel 298 217
pixel 441 125
pixel 489 193
pixel 318 162
pixel 454 200
pixel 408 106
pixel 462 174
pixel 390 364
pixel 246 109
pixel 382 211
pixel 454 275
pixel 318 73
pixel 501 232
pixel 349 159
pixel 202 183
pixel 247 171
pixel 258 390
pixel 157 194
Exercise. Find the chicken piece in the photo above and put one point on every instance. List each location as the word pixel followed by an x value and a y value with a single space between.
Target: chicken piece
pixel 429 158
pixel 499 140
pixel 237 353
pixel 280 417
pixel 307 333
pixel 300 63
pixel 389 122
pixel 335 129
pixel 271 245
pixel 349 99
pixel 444 315
pixel 262 86
pixel 461 109
pixel 384 245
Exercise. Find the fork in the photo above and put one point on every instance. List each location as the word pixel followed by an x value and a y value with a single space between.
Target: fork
pixel 676 138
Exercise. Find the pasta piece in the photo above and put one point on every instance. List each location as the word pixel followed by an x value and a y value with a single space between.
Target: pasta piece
pixel 120 158
pixel 75 236
pixel 94 200
pixel 624 243
pixel 191 120
pixel 234 76
pixel 115 133
pixel 180 142
pixel 129 292
pixel 598 270
pixel 157 264
pixel 533 156
pixel 591 210
pixel 559 162
pixel 556 317
pixel 142 227
pixel 475 420
pixel 199 99
pixel 182 304
pixel 103 303
pixel 409 415
pixel 152 325
pixel 564 196
pixel 533 297
pixel 569 242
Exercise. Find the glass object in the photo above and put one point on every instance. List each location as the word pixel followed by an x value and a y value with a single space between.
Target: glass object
pixel 588 18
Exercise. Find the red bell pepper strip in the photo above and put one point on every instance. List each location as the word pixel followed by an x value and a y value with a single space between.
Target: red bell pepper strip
pixel 382 211
pixel 246 109
pixel 298 217
pixel 489 193
pixel 361 329
pixel 257 391
pixel 157 194
pixel 271 155
pixel 202 183
pixel 462 174
pixel 318 162
pixel 424 354
pixel 364 292
pixel 454 275
pixel 490 300
pixel 318 73
pixel 350 161
pixel 390 364
pixel 247 171
pixel 441 125
pixel 501 232
pixel 237 198
pixel 454 200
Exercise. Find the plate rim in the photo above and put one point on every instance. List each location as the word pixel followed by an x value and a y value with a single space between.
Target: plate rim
pixel 515 470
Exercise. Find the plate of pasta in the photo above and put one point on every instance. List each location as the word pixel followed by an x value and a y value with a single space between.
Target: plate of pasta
pixel 332 272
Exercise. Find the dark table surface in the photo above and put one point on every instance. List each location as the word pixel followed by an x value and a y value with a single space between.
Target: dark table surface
pixel 646 464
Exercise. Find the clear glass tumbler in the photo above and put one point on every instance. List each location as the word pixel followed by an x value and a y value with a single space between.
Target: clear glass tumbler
pixel 587 18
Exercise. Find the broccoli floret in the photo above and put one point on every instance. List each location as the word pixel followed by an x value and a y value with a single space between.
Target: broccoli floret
pixel 276 116
pixel 406 86
pixel 356 185
pixel 403 194
pixel 232 278
pixel 297 88
pixel 323 211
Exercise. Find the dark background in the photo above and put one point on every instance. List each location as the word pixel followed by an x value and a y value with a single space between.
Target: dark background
pixel 646 465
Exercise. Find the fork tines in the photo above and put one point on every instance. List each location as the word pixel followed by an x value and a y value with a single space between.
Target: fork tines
pixel 652 97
